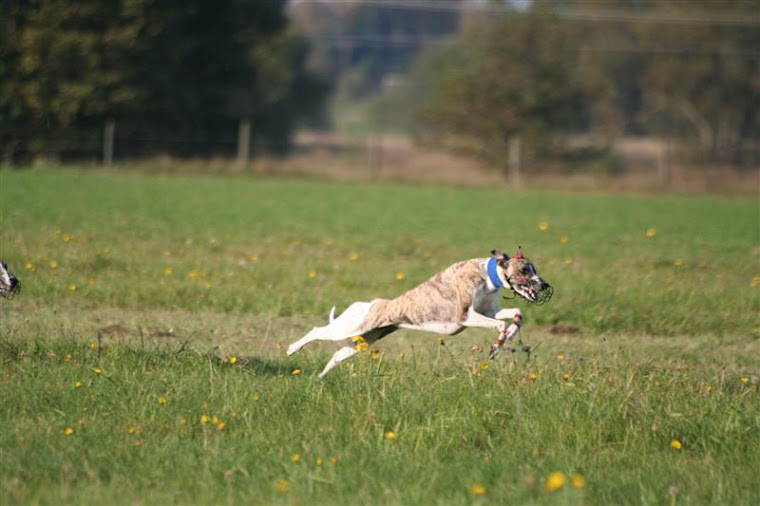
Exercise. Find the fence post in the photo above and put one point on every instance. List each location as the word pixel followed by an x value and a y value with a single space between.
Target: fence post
pixel 244 142
pixel 108 132
pixel 513 160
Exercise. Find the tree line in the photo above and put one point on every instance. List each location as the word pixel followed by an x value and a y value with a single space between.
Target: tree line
pixel 175 76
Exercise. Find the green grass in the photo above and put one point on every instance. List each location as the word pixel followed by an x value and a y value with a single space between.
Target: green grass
pixel 157 282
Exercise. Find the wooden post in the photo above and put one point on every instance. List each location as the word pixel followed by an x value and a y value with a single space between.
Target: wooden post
pixel 244 142
pixel 108 132
pixel 513 160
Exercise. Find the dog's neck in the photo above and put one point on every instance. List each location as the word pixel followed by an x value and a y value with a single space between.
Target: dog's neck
pixel 492 279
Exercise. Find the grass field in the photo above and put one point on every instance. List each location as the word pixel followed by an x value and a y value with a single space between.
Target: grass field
pixel 143 362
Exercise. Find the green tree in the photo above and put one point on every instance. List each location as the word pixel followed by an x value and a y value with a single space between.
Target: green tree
pixel 507 77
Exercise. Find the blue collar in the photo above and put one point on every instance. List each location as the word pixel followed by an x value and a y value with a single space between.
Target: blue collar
pixel 493 274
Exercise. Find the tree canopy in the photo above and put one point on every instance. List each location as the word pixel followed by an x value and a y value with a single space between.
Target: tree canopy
pixel 179 74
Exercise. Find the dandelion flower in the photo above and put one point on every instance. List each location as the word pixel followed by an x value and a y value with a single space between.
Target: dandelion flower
pixel 281 486
pixel 29 266
pixel 319 462
pixel 255 397
pixel 353 256
pixel 78 384
pixel 560 357
pixel 233 360
pixel 755 281
pixel 73 287
pixel 296 372
pixel 220 425
pixel 168 271
pixel 478 489
pixel 375 354
pixel 651 232
pixel 68 431
pixel 533 376
pixel 390 435
pixel 54 264
pixel 678 262
pixel 543 226
pixel 162 400
pixel 97 370
pixel 484 365
pixel 569 261
pixel 312 274
pixel 254 257
pixel 744 380
pixel 675 444
pixel 400 276
pixel 578 481
pixel 205 419
pixel 566 376
pixel 564 239
pixel 555 481
pixel 131 430
pixel 334 460
pixel 93 345
pixel 296 457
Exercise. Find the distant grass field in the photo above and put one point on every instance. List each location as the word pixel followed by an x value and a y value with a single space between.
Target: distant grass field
pixel 143 362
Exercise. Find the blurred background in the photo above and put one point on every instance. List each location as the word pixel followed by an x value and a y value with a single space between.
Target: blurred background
pixel 632 94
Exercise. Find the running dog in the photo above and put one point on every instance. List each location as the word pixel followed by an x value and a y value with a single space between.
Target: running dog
pixel 9 284
pixel 466 294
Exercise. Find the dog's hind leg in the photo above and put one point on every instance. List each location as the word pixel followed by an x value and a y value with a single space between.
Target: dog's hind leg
pixel 339 356
pixel 349 324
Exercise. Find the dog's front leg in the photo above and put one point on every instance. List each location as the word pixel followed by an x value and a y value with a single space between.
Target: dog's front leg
pixel 510 332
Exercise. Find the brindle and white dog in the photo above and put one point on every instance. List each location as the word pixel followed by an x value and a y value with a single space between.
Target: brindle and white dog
pixel 9 284
pixel 465 294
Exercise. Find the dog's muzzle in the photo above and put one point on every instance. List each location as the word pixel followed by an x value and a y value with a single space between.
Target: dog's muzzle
pixel 533 289
pixel 9 284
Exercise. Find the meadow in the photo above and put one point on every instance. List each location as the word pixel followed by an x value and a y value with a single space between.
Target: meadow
pixel 143 361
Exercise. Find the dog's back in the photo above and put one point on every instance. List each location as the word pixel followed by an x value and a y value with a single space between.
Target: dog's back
pixel 445 297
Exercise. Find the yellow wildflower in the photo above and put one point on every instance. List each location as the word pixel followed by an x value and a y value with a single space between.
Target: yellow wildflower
pixel 353 256
pixel 555 481
pixel 68 431
pixel 400 276
pixel 168 271
pixel 205 419
pixel 233 360
pixel 312 274
pixel 296 372
pixel 478 489
pixel 78 384
pixel 651 232
pixel 578 481
pixel 281 486
pixel 484 365
pixel 566 376
pixel 97 370
pixel 675 444
pixel 54 264
pixel 543 226
pixel 319 462
pixel 162 400
pixel 296 457
pixel 334 460
pixel 564 239
pixel 29 266
pixel 390 435
pixel 255 397
pixel 375 354
pixel 73 287
pixel 560 357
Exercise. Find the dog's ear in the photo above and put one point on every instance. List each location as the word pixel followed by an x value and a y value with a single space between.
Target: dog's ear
pixel 519 253
pixel 496 253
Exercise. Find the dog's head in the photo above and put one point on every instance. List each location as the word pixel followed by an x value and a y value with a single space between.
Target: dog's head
pixel 520 275
pixel 9 284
